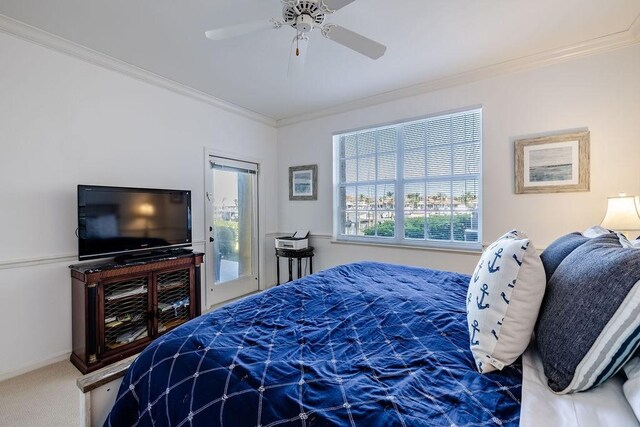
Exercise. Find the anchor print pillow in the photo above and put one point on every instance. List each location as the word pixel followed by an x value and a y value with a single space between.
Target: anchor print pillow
pixel 504 297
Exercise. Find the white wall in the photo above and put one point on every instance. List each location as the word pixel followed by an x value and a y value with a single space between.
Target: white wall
pixel 65 122
pixel 601 93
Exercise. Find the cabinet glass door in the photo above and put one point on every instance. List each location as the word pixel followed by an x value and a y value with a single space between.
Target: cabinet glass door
pixel 174 299
pixel 232 269
pixel 126 304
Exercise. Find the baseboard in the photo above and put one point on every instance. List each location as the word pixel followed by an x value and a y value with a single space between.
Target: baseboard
pixel 223 303
pixel 33 366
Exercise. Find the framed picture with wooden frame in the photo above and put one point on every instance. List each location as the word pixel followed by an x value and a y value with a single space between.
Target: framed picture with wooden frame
pixel 303 182
pixel 552 164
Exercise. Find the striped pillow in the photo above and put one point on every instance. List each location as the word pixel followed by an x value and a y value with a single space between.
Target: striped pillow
pixel 589 323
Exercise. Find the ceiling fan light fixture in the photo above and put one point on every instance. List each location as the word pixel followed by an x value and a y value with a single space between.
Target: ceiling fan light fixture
pixel 292 11
pixel 297 57
pixel 304 23
pixel 304 16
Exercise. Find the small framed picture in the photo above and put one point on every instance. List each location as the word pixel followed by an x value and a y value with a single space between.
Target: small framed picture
pixel 552 164
pixel 303 181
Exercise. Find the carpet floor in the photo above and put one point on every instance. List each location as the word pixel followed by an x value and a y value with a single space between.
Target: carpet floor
pixel 45 397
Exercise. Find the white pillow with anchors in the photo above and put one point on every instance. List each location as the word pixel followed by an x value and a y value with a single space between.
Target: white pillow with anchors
pixel 503 301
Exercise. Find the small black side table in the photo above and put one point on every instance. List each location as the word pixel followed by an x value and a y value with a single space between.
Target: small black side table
pixel 297 254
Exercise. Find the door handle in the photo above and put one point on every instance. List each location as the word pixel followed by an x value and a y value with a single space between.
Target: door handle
pixel 211 239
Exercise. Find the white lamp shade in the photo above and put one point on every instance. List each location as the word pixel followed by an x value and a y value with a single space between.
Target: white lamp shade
pixel 622 214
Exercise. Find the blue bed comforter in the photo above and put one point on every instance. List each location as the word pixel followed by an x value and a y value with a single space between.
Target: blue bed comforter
pixel 364 344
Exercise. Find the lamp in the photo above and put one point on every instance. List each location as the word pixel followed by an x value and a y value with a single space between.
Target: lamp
pixel 623 213
pixel 146 209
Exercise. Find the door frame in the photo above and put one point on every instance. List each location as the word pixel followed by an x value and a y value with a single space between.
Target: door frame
pixel 208 213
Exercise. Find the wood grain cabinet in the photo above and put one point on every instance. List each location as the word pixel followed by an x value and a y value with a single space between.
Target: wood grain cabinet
pixel 117 309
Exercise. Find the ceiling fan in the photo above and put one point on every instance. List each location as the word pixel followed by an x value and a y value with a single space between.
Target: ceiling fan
pixel 304 16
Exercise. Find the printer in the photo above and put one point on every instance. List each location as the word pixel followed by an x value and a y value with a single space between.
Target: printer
pixel 299 241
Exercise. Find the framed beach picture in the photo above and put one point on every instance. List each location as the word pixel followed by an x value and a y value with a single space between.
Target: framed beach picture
pixel 552 164
pixel 303 181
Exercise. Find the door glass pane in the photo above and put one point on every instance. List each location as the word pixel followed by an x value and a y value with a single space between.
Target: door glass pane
pixel 233 205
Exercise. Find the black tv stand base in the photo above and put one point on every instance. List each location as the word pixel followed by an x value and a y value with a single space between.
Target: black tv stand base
pixel 151 256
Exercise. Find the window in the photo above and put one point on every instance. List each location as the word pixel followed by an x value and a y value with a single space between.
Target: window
pixel 413 183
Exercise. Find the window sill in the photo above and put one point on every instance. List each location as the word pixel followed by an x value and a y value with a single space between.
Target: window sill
pixel 464 251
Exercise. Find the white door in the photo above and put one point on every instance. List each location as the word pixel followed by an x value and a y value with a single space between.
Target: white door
pixel 232 230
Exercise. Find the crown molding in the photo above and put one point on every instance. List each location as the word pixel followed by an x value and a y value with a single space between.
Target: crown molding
pixel 622 39
pixel 59 44
pixel 634 29
pixel 610 42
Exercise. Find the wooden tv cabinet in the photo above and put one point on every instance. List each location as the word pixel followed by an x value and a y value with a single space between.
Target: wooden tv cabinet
pixel 118 309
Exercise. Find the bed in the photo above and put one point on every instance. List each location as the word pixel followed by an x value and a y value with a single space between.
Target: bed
pixel 359 344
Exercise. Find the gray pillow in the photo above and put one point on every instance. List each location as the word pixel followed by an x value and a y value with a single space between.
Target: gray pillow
pixel 557 251
pixel 589 323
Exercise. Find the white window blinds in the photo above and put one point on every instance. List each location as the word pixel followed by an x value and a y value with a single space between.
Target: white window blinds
pixel 417 182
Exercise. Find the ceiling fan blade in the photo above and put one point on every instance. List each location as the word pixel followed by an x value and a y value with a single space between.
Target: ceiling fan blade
pixel 354 41
pixel 298 56
pixel 336 4
pixel 241 29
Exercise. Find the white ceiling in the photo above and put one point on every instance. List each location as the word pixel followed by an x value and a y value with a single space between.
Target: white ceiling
pixel 426 39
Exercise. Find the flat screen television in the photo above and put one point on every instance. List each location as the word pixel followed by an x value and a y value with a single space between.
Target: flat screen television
pixel 116 221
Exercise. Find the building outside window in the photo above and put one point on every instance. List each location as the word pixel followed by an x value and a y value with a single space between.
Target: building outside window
pixel 414 183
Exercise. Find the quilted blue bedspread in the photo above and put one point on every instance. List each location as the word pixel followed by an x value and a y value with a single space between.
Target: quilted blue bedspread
pixel 363 344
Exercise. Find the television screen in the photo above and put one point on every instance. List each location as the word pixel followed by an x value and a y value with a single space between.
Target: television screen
pixel 117 220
